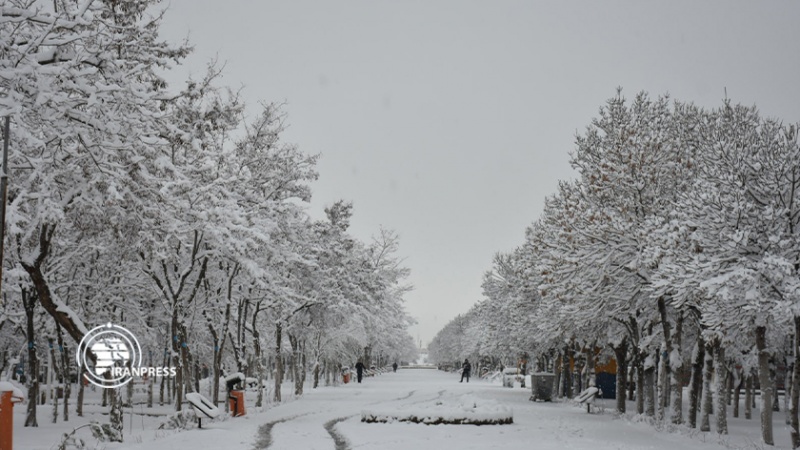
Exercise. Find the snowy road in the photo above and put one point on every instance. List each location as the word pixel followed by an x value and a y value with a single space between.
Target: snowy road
pixel 329 418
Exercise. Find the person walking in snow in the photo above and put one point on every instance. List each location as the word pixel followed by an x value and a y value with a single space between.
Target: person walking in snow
pixel 359 370
pixel 465 370
pixel 394 367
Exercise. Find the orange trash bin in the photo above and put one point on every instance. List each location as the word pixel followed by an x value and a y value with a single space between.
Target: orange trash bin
pixel 8 396
pixel 236 400
pixel 345 374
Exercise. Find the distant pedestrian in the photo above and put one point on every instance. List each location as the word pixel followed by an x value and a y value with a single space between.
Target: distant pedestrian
pixel 465 370
pixel 359 370
pixel 394 367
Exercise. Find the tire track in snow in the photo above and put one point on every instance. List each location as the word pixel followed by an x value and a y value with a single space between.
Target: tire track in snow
pixel 264 435
pixel 339 440
pixel 406 396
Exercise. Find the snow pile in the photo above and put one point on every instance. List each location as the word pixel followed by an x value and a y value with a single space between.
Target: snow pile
pixel 461 410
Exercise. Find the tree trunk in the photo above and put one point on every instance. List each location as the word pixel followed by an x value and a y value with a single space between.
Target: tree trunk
pixel 577 373
pixel 649 386
pixel 65 366
pixel 115 415
pixel 217 372
pixel 663 382
pixel 170 383
pixel 55 408
pixel 177 359
pixel 42 289
pixel 150 381
pixel 79 401
pixel 258 357
pixel 795 388
pixel 4 362
pixel 278 362
pixel 566 372
pixel 557 380
pixel 722 374
pixel 186 361
pixel 698 356
pixel 163 382
pixel 707 394
pixel 748 396
pixel 590 367
pixel 766 385
pixel 53 376
pixel 737 389
pixel 29 303
pixel 196 366
pixel 787 392
pixel 631 382
pixel 621 354
pixel 664 362
pixel 773 377
pixel 676 369
pixel 729 384
pixel 129 389
pixel 368 356
pixel 640 387
pixel 298 386
pixel 219 341
pixel 302 382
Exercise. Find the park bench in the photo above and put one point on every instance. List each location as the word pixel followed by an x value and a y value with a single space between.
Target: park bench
pixel 202 407
pixel 587 397
pixel 510 374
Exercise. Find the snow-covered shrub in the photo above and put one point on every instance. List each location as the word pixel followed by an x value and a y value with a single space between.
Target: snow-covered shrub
pixel 105 432
pixel 181 420
pixel 462 410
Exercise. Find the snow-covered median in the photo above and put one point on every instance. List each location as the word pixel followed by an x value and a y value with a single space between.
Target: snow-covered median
pixel 461 410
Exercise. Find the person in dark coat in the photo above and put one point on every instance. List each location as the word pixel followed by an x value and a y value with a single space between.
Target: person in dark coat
pixel 394 367
pixel 359 370
pixel 465 370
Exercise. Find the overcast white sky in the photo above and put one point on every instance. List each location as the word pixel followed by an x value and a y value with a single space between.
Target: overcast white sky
pixel 450 121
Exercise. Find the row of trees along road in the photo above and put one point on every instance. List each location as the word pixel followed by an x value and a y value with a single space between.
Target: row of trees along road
pixel 171 212
pixel 676 251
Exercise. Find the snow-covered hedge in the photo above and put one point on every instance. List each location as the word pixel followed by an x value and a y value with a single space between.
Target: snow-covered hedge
pixel 462 410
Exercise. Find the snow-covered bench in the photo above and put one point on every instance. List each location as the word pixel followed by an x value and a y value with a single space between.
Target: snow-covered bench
pixel 510 374
pixel 587 397
pixel 202 406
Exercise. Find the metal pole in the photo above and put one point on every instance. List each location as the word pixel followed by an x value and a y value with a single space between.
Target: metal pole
pixel 3 191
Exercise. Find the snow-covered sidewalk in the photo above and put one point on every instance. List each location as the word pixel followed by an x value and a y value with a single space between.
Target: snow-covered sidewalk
pixel 330 418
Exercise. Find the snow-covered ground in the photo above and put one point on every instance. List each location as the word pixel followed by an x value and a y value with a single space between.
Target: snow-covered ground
pixel 330 418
